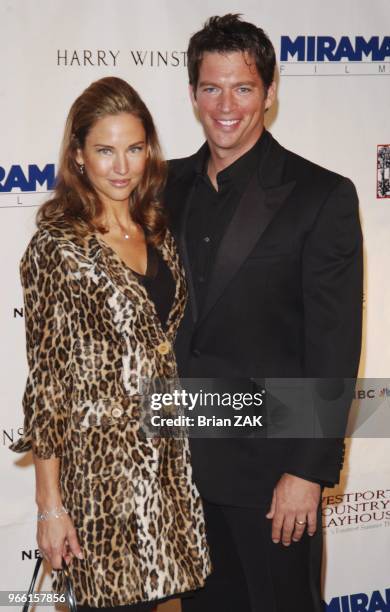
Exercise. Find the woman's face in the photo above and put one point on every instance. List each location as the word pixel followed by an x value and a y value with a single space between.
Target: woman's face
pixel 114 156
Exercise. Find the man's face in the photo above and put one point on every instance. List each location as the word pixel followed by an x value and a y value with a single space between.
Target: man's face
pixel 230 100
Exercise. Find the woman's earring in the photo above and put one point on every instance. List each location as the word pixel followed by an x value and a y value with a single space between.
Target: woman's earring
pixel 81 168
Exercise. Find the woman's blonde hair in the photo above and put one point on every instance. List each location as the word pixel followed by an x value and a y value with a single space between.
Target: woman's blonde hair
pixel 75 201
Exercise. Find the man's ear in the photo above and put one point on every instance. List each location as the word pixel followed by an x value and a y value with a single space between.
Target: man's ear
pixel 193 96
pixel 271 95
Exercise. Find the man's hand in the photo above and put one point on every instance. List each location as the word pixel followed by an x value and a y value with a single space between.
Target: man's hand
pixel 293 508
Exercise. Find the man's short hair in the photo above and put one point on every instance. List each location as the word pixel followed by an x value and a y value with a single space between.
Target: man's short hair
pixel 227 34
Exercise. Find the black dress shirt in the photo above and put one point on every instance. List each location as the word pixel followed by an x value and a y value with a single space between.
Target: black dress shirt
pixel 210 211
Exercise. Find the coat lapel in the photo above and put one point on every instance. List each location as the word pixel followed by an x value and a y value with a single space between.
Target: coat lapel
pixel 91 257
pixel 128 284
pixel 169 253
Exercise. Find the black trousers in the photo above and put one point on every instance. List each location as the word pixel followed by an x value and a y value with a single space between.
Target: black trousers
pixel 251 573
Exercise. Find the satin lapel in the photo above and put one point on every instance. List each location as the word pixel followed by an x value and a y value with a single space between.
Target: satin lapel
pixel 185 257
pixel 183 195
pixel 254 213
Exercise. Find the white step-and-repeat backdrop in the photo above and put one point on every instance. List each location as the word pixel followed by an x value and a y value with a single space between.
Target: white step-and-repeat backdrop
pixel 333 107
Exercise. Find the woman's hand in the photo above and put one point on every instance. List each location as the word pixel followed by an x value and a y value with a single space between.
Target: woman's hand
pixel 56 535
pixel 57 539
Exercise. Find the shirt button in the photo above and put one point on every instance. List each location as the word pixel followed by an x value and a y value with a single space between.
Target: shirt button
pixel 164 348
pixel 116 412
pixel 206 239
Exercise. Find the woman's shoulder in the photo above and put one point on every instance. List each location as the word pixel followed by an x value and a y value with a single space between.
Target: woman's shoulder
pixel 61 231
pixel 40 256
pixel 40 242
pixel 53 240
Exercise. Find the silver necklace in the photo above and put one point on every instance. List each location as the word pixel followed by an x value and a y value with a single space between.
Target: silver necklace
pixel 124 233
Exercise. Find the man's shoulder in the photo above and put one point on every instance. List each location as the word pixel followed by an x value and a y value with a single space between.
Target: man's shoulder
pixel 295 168
pixel 316 184
pixel 185 167
pixel 180 163
pixel 302 169
pixel 180 166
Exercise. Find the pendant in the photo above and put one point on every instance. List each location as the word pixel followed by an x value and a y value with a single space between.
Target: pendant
pixel 126 236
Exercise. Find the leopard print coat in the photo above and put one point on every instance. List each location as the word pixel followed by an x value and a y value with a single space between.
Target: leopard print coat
pixel 92 333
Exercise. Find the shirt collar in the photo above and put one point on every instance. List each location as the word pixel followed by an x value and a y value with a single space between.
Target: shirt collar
pixel 240 171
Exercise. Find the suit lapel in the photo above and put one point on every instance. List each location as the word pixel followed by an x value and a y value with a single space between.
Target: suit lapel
pixel 184 253
pixel 256 209
pixel 183 192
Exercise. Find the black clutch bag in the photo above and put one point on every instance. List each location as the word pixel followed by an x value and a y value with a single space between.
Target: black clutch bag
pixel 70 599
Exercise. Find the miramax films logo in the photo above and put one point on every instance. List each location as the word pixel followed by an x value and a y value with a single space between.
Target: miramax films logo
pixel 376 601
pixel 23 186
pixel 329 56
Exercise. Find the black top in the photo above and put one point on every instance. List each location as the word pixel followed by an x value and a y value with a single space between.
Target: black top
pixel 159 283
pixel 210 211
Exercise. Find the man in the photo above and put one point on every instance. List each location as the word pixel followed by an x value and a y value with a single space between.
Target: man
pixel 272 248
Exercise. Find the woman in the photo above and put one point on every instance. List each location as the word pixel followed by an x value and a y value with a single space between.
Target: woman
pixel 104 295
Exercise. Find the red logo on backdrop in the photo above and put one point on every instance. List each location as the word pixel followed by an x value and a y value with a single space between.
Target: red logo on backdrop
pixel 383 171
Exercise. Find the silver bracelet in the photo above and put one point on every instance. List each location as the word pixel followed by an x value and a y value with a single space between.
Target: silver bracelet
pixel 56 512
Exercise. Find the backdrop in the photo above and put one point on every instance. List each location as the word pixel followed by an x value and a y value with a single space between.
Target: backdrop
pixel 333 107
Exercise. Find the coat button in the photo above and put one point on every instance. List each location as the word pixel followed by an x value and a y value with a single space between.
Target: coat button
pixel 196 352
pixel 170 409
pixel 164 348
pixel 116 412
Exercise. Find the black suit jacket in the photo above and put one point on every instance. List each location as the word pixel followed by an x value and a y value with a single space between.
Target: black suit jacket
pixel 285 300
